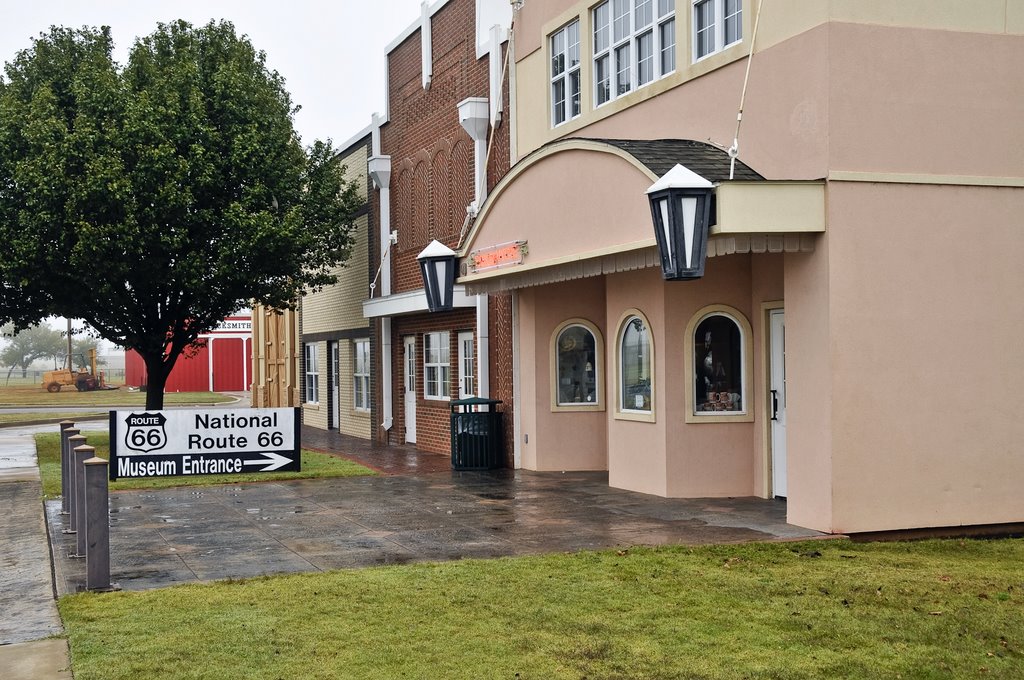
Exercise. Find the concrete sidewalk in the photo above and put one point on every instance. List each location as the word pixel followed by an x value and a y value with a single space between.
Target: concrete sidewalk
pixel 28 612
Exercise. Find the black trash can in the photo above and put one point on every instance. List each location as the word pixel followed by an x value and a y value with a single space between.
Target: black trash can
pixel 476 434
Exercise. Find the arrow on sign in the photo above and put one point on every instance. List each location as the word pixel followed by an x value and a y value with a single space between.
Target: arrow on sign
pixel 272 461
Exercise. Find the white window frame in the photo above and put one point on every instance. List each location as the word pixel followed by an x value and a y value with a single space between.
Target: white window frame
pixel 622 412
pixel 564 71
pixel 438 365
pixel 361 375
pixel 717 28
pixel 312 374
pixel 467 359
pixel 627 46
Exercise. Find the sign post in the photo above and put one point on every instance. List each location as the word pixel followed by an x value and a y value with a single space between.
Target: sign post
pixel 183 442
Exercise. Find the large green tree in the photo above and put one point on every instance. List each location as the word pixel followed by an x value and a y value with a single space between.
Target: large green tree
pixel 156 199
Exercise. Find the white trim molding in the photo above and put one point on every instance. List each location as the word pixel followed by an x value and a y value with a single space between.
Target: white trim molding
pixel 411 302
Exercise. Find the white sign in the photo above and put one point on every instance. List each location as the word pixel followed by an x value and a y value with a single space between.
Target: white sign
pixel 202 441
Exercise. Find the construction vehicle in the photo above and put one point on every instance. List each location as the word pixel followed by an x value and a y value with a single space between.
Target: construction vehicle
pixel 85 379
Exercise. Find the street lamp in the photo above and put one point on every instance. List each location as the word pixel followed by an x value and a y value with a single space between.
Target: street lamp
pixel 681 210
pixel 437 265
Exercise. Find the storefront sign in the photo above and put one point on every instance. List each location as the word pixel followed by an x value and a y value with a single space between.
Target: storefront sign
pixel 203 442
pixel 496 257
pixel 234 326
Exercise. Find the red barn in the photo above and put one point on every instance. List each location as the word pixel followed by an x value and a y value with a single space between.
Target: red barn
pixel 221 365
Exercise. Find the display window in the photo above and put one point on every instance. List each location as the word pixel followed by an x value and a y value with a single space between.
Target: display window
pixel 717 372
pixel 577 366
pixel 635 365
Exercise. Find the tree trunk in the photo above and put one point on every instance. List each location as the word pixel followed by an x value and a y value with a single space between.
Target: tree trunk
pixel 156 378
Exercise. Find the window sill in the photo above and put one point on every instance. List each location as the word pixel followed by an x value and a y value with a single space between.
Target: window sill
pixel 637 416
pixel 311 406
pixel 577 408
pixel 720 418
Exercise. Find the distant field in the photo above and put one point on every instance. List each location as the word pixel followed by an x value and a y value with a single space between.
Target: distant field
pixel 35 395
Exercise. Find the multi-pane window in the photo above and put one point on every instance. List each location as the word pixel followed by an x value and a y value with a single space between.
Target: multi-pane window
pixel 565 73
pixel 436 365
pixel 716 25
pixel 634 44
pixel 312 375
pixel 361 375
pixel 718 369
pixel 635 367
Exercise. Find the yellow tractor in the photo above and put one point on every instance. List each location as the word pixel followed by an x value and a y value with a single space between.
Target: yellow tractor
pixel 84 379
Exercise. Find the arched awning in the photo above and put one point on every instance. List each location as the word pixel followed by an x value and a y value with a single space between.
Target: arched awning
pixel 577 207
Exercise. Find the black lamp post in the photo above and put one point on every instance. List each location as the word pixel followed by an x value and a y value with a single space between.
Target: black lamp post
pixel 681 210
pixel 437 265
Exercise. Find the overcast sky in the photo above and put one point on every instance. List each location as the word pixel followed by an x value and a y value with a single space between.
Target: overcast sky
pixel 331 53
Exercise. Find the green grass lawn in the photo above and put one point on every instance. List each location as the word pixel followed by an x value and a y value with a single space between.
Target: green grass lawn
pixel 30 417
pixel 314 466
pixel 829 609
pixel 35 395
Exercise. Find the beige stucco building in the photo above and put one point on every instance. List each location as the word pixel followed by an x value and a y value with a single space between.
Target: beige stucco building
pixel 851 346
pixel 335 359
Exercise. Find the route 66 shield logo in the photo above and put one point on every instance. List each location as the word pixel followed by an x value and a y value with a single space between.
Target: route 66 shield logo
pixel 145 432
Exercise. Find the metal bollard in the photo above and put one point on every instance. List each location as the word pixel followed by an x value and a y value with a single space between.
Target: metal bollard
pixel 97 525
pixel 82 453
pixel 66 430
pixel 72 525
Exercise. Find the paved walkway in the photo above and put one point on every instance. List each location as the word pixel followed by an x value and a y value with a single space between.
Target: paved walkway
pixel 418 509
pixel 28 613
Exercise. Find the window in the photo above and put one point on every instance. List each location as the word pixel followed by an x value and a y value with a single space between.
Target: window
pixel 716 25
pixel 717 350
pixel 565 73
pixel 635 379
pixel 361 375
pixel 634 44
pixel 312 375
pixel 467 351
pixel 577 367
pixel 436 365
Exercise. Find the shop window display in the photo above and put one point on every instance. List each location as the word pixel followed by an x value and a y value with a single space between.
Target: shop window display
pixel 635 366
pixel 577 366
pixel 718 365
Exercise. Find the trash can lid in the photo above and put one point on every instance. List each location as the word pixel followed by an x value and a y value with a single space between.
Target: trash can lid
pixel 476 401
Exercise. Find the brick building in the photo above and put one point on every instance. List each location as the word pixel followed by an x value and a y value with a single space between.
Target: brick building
pixel 447 121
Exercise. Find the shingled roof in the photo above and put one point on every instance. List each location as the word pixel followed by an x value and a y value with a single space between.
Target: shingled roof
pixel 661 155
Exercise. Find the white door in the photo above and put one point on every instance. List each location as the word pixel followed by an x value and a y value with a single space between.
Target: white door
pixel 409 363
pixel 777 402
pixel 334 377
pixel 467 380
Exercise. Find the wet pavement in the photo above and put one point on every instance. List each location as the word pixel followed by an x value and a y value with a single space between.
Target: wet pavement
pixel 165 537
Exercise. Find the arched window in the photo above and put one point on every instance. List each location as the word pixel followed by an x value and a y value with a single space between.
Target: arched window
pixel 636 384
pixel 577 380
pixel 718 339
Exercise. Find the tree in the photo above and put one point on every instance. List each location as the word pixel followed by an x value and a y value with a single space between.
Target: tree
pixel 154 200
pixel 36 342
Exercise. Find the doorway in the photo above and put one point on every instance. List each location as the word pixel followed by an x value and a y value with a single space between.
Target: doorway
pixel 777 401
pixel 409 370
pixel 333 383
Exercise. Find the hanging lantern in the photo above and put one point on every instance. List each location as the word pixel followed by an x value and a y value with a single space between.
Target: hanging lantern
pixel 437 265
pixel 681 210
